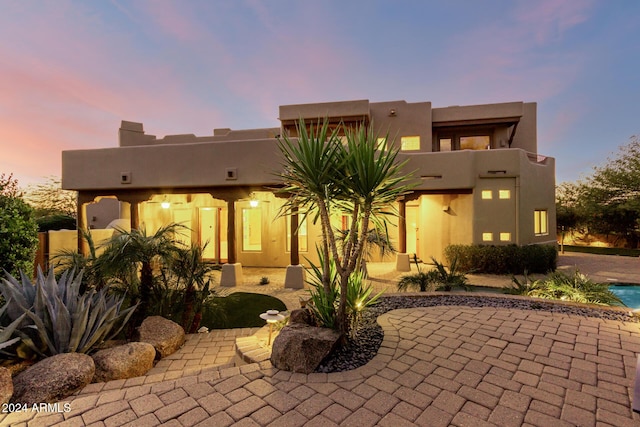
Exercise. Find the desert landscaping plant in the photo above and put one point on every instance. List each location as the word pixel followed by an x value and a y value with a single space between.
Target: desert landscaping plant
pixel 448 278
pixel 420 280
pixel 129 257
pixel 575 287
pixel 359 178
pixel 56 318
pixel 187 279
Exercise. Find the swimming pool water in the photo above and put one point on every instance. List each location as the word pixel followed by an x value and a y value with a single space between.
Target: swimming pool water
pixel 629 294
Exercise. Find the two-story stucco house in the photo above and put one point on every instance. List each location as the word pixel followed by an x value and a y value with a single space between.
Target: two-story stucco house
pixel 481 180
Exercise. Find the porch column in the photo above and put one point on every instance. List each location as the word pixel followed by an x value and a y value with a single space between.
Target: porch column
pixel 231 231
pixel 402 258
pixel 81 221
pixel 295 250
pixel 232 270
pixel 402 226
pixel 135 214
pixel 295 274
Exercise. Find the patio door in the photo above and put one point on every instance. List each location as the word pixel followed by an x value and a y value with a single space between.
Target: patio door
pixel 213 232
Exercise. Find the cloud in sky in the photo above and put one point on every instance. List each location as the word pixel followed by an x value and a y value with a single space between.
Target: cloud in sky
pixel 73 70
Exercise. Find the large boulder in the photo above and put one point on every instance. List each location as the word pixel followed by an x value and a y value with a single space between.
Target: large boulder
pixel 53 379
pixel 300 347
pixel 166 336
pixel 302 315
pixel 6 386
pixel 124 361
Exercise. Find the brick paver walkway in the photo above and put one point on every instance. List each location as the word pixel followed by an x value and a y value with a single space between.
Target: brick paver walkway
pixel 437 366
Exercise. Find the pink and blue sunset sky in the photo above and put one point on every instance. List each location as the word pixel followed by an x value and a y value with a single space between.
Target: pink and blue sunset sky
pixel 70 71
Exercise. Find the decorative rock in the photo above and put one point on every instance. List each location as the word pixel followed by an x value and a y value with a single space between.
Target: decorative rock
pixel 301 315
pixel 166 336
pixel 124 361
pixel 301 348
pixel 53 379
pixel 6 386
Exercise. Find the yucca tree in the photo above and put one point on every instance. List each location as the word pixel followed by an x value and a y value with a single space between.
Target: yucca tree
pixel 359 177
pixel 128 252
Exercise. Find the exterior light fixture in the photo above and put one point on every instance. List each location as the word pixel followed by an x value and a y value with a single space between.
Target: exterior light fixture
pixel 253 202
pixel 271 316
pixel 165 203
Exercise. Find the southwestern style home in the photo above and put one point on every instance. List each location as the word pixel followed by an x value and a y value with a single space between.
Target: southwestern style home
pixel 480 181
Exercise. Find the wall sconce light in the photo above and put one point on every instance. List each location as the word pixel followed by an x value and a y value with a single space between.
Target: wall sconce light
pixel 165 203
pixel 253 202
pixel 271 316
pixel 392 112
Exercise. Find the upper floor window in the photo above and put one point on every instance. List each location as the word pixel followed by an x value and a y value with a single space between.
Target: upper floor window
pixel 452 138
pixel 504 194
pixel 410 143
pixel 482 142
pixel 540 222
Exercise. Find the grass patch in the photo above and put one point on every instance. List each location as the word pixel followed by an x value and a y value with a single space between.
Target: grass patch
pixel 602 251
pixel 239 310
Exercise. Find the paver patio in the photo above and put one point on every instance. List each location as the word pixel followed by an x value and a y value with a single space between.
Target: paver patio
pixel 437 366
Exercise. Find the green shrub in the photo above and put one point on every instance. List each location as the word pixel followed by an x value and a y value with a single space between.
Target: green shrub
pixel 447 279
pixel 58 318
pixel 56 222
pixel 324 305
pixel 575 287
pixel 18 235
pixel 509 259
pixel 421 280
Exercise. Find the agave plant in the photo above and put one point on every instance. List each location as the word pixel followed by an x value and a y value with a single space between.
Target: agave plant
pixel 55 318
pixel 6 334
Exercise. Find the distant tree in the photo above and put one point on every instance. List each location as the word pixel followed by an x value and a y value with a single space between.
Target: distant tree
pixel 18 230
pixel 9 186
pixel 568 214
pixel 49 199
pixel 608 201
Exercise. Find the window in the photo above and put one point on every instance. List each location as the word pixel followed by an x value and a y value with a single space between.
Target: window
pixel 252 229
pixel 445 144
pixel 505 237
pixel 482 142
pixel 540 222
pixel 302 233
pixel 487 194
pixel 504 194
pixel 381 144
pixel 410 143
pixel 487 237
